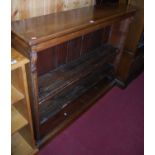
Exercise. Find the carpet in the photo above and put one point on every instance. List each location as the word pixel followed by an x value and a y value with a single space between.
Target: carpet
pixel 113 126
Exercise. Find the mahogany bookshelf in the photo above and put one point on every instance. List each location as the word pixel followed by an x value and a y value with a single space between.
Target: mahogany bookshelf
pixel 74 57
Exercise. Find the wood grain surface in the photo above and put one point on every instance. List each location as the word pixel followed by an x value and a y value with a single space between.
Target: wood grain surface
pixel 40 29
pixel 21 9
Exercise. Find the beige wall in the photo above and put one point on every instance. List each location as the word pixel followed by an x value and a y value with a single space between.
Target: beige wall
pixel 29 8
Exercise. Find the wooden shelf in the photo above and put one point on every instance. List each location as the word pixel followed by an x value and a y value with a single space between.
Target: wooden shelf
pixel 17 121
pixel 17 59
pixel 72 111
pixel 16 95
pixel 52 83
pixel 52 106
pixel 20 146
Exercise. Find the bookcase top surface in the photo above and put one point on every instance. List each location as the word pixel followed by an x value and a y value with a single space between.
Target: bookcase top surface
pixel 40 29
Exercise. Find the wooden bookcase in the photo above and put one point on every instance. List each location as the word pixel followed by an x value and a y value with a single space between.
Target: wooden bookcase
pixel 22 137
pixel 74 56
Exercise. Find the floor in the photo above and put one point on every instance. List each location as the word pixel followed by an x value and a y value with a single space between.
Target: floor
pixel 113 126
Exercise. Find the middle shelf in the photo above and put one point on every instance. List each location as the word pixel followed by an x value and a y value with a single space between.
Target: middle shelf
pixel 55 81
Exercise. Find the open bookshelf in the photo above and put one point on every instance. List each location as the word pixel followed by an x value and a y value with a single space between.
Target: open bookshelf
pixel 20 108
pixel 74 57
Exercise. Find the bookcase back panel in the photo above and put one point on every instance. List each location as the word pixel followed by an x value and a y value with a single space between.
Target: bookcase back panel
pixel 69 51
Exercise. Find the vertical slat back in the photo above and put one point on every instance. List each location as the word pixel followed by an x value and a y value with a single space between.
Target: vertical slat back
pixel 70 50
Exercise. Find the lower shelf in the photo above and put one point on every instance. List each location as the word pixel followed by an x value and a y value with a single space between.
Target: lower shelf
pixel 54 105
pixel 68 114
pixel 20 146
